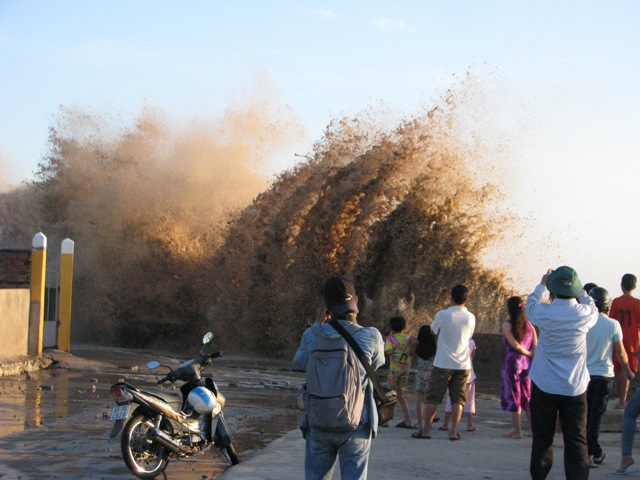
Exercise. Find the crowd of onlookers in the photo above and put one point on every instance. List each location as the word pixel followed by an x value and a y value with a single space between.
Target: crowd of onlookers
pixel 565 348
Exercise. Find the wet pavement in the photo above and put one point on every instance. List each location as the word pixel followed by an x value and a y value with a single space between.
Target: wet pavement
pixel 483 454
pixel 54 423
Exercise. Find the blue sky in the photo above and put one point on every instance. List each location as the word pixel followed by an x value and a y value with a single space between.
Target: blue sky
pixel 563 77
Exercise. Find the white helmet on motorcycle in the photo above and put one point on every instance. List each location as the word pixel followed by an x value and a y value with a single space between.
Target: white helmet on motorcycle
pixel 202 400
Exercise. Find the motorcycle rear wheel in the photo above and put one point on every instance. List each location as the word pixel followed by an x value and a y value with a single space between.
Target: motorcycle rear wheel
pixel 144 458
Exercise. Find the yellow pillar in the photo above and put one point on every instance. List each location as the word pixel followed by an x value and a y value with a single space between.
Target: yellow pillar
pixel 64 305
pixel 36 311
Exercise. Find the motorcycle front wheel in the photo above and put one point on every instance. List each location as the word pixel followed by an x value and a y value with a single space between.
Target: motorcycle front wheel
pixel 230 455
pixel 143 457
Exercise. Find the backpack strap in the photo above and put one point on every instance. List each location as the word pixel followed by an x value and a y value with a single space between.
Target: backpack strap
pixel 360 354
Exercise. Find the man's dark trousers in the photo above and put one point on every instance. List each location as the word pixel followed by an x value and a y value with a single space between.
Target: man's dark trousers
pixel 572 411
pixel 597 398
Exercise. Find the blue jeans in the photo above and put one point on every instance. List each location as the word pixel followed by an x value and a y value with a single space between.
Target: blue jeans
pixel 572 411
pixel 322 448
pixel 597 397
pixel 631 413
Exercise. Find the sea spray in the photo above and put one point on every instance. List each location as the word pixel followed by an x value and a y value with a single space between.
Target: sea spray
pixel 147 203
pixel 176 233
pixel 403 212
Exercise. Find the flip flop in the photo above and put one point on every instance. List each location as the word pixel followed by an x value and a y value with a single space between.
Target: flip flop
pixel 419 435
pixel 472 429
pixel 444 429
pixel 626 472
pixel 453 439
pixel 403 425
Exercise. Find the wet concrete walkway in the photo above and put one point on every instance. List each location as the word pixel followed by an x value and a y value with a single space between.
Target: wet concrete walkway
pixel 65 433
pixel 482 454
pixel 54 422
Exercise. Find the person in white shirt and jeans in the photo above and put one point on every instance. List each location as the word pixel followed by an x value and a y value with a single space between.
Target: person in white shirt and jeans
pixel 559 372
pixel 603 341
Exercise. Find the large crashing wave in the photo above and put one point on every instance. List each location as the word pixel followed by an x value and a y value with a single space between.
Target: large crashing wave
pixel 405 213
pixel 173 237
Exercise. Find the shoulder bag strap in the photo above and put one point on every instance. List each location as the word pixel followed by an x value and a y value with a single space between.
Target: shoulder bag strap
pixel 360 354
pixel 394 341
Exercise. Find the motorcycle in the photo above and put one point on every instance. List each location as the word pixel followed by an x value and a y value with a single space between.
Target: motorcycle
pixel 158 425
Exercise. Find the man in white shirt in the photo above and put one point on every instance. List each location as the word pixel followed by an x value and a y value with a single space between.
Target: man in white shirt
pixel 452 363
pixel 559 373
pixel 603 340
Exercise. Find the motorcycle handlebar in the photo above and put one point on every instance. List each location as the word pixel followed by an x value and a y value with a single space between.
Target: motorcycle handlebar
pixel 206 360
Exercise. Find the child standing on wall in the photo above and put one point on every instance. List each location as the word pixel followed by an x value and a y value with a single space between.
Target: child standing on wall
pixel 470 406
pixel 399 346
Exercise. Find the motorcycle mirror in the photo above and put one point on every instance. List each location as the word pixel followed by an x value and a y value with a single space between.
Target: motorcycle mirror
pixel 207 338
pixel 153 365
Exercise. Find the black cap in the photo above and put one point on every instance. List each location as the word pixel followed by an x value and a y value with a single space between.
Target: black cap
pixel 340 295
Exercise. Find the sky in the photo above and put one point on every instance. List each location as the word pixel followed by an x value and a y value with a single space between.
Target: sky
pixel 562 79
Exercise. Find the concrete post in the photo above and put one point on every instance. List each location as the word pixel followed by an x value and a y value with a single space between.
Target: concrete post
pixel 36 310
pixel 66 286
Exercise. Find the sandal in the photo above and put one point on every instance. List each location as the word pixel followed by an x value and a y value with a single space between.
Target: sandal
pixel 403 425
pixel 453 439
pixel 420 435
pixel 626 471
pixel 443 428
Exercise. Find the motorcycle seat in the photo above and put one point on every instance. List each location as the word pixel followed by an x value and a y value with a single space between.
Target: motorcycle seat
pixel 172 398
pixel 169 397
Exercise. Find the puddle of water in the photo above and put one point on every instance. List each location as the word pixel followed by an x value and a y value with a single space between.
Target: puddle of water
pixel 47 396
pixel 72 405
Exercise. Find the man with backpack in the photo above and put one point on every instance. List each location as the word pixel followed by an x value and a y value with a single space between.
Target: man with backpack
pixel 341 417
